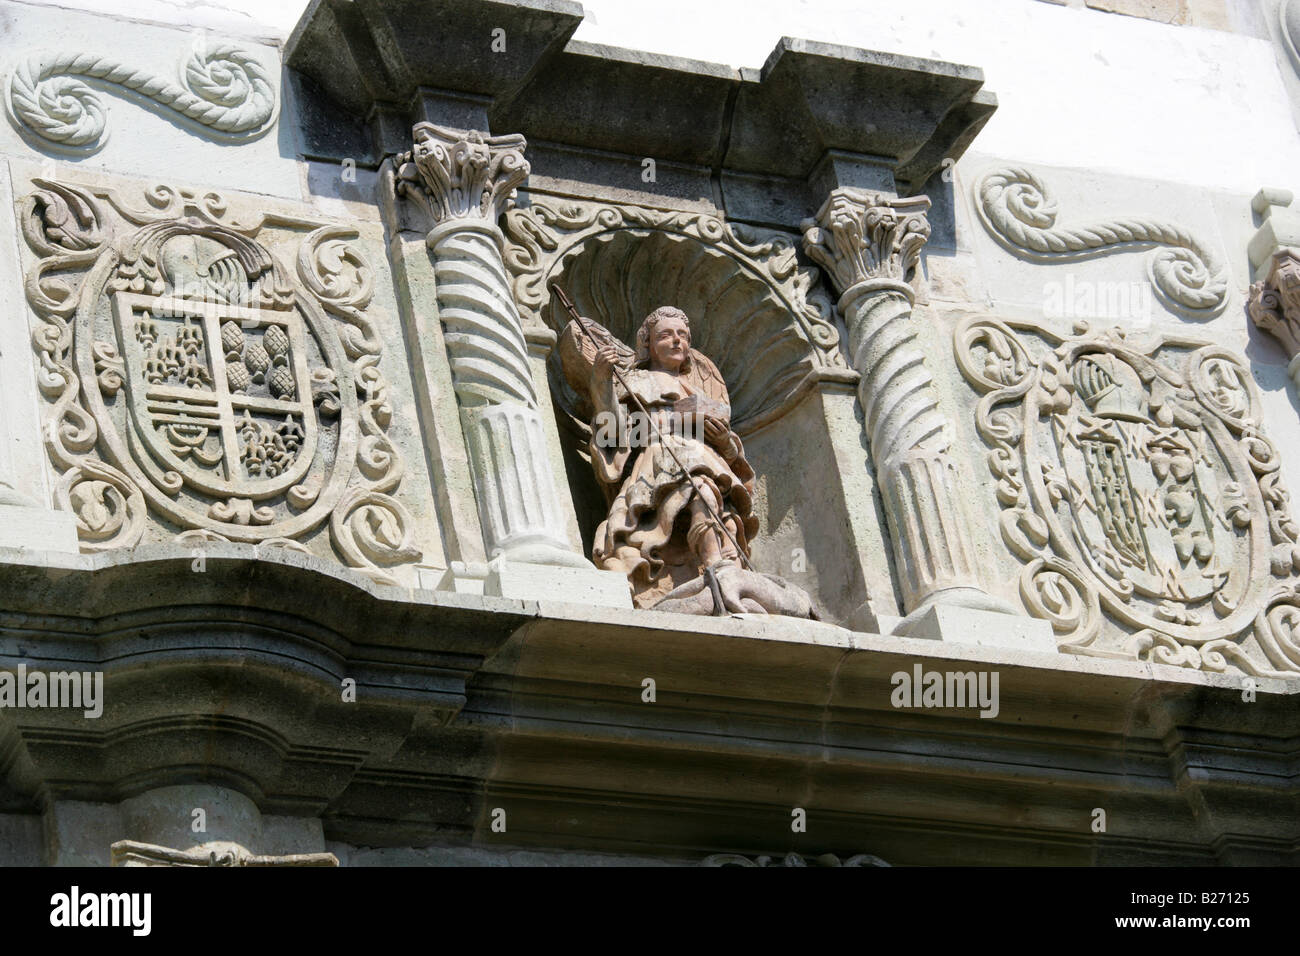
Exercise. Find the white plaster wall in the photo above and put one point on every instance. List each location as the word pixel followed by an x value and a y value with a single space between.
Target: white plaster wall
pixel 1076 87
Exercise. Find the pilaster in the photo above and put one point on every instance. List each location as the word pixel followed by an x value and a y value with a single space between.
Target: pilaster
pixel 462 181
pixel 869 243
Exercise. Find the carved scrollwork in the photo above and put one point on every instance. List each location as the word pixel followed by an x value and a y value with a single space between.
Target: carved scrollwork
pixel 108 506
pixel 1019 211
pixel 1054 591
pixel 224 90
pixel 1137 489
pixel 374 531
pixel 189 376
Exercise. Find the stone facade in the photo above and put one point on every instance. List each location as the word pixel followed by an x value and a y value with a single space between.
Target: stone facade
pixel 981 550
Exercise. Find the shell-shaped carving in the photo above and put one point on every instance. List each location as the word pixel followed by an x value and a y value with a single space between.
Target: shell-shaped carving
pixel 736 317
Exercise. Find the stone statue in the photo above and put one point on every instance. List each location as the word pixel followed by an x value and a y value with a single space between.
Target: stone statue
pixel 678 487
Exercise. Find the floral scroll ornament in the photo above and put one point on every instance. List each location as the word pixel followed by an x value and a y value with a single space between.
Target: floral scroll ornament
pixel 1139 494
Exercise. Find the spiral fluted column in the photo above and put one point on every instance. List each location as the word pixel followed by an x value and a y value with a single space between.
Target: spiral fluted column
pixel 462 179
pixel 868 244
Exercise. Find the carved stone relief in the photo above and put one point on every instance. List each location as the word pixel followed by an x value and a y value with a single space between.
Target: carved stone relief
pixel 223 90
pixel 195 385
pixel 1137 490
pixel 216 853
pixel 1274 303
pixel 1018 210
pixel 461 180
pixel 869 244
pixel 681 492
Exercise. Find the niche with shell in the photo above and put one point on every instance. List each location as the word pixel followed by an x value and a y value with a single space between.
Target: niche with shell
pixel 754 328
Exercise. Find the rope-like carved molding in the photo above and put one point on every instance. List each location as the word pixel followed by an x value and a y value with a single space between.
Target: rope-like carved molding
pixel 1017 209
pixel 868 244
pixel 222 89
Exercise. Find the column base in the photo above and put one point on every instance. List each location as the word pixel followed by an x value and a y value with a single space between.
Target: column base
pixel 541 549
pixel 968 625
pixel 33 528
pixel 522 581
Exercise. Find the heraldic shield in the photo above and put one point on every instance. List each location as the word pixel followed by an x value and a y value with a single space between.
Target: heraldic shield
pixel 1146 519
pixel 223 393
pixel 219 393
pixel 1138 493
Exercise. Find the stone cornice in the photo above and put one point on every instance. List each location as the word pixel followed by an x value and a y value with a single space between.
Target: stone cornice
pixel 464 703
pixel 391 64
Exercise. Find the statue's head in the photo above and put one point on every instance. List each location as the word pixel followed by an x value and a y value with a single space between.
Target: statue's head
pixel 664 341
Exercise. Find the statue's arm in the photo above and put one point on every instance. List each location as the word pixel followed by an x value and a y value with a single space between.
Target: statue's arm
pixel 609 427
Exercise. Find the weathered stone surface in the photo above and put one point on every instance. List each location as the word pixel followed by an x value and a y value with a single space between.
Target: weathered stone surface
pixel 115 95
pixel 202 391
pixel 870 245
pixel 352 680
pixel 1162 11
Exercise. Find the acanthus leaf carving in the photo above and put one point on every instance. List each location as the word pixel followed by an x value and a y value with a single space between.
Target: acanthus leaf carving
pixel 458 174
pixel 857 236
pixel 1274 302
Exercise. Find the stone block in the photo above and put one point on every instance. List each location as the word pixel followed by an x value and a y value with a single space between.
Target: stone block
pixel 37 529
pixel 1162 11
pixel 538 582
pixel 964 625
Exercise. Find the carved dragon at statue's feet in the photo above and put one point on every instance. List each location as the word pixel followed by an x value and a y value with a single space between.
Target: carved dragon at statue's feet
pixel 727 588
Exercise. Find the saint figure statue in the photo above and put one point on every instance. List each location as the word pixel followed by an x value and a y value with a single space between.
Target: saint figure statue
pixel 678 487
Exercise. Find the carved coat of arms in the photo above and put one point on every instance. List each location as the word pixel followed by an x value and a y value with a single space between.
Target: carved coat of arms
pixel 193 378
pixel 1137 489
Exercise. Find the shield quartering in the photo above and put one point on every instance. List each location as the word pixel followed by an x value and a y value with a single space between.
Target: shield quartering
pixel 219 393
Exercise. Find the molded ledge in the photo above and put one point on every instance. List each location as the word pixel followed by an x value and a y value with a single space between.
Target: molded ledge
pixel 231 675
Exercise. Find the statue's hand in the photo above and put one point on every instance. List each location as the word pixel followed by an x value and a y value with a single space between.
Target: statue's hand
pixel 716 432
pixel 606 359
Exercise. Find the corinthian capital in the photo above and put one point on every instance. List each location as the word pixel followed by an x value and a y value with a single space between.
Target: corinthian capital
pixel 858 235
pixel 456 174
pixel 1274 304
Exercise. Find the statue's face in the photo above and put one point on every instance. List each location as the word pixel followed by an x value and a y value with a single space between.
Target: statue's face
pixel 670 344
